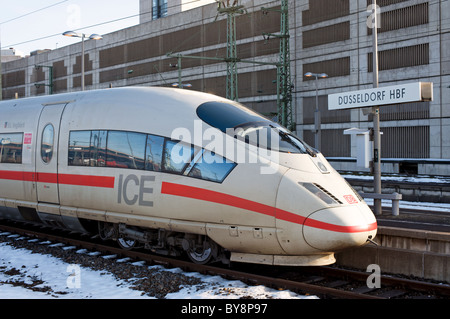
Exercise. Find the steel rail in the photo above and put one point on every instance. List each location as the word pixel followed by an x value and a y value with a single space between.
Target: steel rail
pixel 387 280
pixel 251 279
pixel 246 277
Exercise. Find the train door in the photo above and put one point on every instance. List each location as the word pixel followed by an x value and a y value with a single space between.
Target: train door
pixel 47 153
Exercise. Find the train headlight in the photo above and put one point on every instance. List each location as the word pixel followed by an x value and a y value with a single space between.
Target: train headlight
pixel 322 193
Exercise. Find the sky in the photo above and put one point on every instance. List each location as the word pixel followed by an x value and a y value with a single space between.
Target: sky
pixel 23 22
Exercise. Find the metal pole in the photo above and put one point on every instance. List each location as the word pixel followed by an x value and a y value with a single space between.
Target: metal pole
pixel 50 79
pixel 1 84
pixel 180 81
pixel 82 62
pixel 317 124
pixel 284 81
pixel 376 118
pixel 232 76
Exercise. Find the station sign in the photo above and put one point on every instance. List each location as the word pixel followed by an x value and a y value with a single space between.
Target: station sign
pixel 405 93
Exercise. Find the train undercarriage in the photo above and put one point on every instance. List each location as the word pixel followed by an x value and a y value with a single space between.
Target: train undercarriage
pixel 199 248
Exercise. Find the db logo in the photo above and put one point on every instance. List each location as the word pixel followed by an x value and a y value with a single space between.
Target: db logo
pixel 351 199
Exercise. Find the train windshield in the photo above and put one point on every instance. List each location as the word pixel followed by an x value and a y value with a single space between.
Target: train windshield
pixel 244 124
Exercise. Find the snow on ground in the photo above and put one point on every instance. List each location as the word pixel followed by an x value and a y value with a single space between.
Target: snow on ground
pixel 401 178
pixel 27 275
pixel 431 207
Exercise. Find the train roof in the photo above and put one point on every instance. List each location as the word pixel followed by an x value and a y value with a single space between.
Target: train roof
pixel 155 110
pixel 119 95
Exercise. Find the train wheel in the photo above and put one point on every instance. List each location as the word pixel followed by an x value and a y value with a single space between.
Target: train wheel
pixel 126 243
pixel 200 251
pixel 201 257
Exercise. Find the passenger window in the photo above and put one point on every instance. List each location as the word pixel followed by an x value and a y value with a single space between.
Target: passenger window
pixel 11 148
pixel 79 148
pixel 98 148
pixel 154 153
pixel 177 156
pixel 141 151
pixel 212 167
pixel 126 150
pixel 47 143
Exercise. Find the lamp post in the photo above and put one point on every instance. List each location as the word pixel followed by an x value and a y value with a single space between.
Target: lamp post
pixel 82 36
pixel 376 116
pixel 317 119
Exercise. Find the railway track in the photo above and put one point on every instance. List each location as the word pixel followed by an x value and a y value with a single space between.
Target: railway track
pixel 416 219
pixel 325 282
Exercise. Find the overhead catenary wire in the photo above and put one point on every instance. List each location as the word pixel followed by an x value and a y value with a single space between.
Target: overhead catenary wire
pixel 353 23
pixel 81 28
pixel 338 47
pixel 263 52
pixel 32 12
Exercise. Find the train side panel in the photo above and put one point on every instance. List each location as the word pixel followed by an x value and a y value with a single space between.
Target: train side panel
pixel 163 200
pixel 18 135
pixel 132 162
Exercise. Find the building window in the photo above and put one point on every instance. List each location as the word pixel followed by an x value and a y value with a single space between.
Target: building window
pixel 159 9
pixel 402 57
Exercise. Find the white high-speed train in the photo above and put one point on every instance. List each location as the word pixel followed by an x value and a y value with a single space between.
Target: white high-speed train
pixel 175 171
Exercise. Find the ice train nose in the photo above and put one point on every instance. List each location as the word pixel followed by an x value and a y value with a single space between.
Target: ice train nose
pixel 339 228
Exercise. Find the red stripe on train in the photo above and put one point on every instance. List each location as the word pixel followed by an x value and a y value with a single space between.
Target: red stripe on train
pixel 234 201
pixel 66 179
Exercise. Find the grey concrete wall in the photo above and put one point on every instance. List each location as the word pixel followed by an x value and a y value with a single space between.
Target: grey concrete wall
pixel 422 254
pixel 435 33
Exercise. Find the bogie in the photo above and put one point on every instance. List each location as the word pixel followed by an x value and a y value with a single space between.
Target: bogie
pixel 199 248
